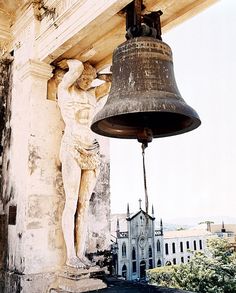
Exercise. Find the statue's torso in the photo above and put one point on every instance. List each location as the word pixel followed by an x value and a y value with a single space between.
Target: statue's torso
pixel 78 109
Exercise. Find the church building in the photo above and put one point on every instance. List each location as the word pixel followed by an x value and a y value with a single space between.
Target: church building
pixel 140 246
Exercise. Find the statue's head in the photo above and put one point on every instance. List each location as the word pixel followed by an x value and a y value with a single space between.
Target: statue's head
pixel 88 75
pixel 58 75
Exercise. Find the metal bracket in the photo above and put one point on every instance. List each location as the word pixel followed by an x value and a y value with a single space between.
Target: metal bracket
pixel 138 25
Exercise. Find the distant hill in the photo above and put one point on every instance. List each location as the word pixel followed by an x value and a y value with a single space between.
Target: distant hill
pixel 194 221
pixel 173 227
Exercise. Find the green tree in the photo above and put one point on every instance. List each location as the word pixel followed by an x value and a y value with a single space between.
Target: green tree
pixel 212 272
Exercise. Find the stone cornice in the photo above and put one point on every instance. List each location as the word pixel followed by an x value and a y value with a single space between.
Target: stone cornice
pixel 36 69
pixel 26 19
pixel 76 21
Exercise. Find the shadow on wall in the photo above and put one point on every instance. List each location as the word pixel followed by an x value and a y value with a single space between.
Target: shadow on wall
pixel 5 137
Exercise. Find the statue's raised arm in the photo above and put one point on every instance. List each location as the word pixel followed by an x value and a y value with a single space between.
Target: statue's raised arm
pixel 76 68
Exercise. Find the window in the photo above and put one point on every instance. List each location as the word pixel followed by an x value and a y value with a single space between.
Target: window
pixel 173 247
pixel 134 267
pixel 174 261
pixel 158 246
pixel 200 244
pixel 150 251
pixel 123 249
pixel 188 258
pixel 124 271
pixel 166 248
pixel 181 247
pixel 133 254
pixel 182 259
pixel 194 245
pixel 150 264
pixel 187 244
pixel 159 263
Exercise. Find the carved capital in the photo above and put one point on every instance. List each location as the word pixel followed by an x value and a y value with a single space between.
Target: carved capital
pixel 36 69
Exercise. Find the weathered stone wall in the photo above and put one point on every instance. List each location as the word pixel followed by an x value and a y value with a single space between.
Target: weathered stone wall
pixel 32 197
pixel 99 214
pixel 5 137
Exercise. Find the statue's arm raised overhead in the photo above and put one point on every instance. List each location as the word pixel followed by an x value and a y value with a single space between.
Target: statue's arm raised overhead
pixel 76 68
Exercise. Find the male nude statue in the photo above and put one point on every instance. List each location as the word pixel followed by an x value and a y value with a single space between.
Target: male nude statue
pixel 79 154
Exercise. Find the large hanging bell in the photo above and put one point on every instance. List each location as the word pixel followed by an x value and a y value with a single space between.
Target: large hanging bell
pixel 144 96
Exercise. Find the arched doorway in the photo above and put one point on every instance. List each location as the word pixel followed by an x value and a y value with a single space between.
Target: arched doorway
pixel 142 269
pixel 124 271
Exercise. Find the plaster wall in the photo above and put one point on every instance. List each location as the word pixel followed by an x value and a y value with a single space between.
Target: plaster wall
pixel 33 185
pixel 184 255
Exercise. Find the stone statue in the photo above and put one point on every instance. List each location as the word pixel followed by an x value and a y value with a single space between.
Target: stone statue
pixel 79 153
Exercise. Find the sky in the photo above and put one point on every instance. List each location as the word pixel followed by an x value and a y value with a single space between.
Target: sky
pixel 192 174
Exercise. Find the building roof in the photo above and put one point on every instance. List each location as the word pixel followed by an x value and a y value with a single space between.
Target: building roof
pixel 216 228
pixel 137 213
pixel 123 221
pixel 186 233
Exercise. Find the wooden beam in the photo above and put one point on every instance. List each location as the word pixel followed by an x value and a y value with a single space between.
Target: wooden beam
pixel 174 12
pixel 75 24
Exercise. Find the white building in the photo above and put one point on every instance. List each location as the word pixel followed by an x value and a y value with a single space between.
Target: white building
pixel 179 244
pixel 138 246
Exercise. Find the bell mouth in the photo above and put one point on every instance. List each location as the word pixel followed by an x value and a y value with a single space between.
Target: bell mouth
pixel 161 124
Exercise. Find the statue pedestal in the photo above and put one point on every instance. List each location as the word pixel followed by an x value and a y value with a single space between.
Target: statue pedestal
pixel 74 280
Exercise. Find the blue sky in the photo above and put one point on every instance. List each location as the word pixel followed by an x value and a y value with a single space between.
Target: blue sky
pixel 193 174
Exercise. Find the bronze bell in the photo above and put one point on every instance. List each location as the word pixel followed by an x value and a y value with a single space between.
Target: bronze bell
pixel 144 101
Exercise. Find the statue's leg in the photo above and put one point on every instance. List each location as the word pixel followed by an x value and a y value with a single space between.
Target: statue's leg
pixel 88 182
pixel 71 175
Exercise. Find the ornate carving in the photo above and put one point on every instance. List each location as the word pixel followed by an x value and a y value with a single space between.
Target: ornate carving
pixel 41 10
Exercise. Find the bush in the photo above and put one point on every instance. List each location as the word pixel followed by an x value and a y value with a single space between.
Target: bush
pixel 212 272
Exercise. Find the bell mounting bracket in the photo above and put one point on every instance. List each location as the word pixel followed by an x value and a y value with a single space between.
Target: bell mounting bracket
pixel 138 25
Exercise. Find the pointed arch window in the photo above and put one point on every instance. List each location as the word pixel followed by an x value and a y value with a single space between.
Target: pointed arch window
pixel 158 246
pixel 123 249
pixel 166 248
pixel 150 251
pixel 133 253
pixel 200 244
pixel 173 247
pixel 159 263
pixel 124 271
